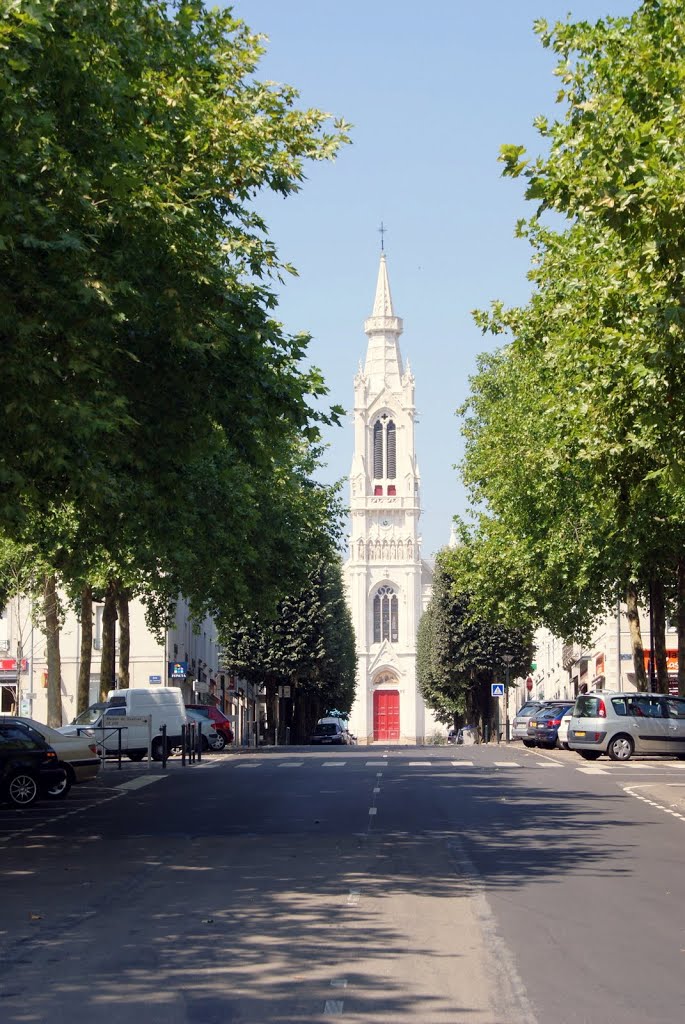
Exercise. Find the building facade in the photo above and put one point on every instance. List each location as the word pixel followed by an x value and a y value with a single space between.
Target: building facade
pixel 388 584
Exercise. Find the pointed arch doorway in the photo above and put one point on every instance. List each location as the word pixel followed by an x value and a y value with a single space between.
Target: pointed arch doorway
pixel 386 715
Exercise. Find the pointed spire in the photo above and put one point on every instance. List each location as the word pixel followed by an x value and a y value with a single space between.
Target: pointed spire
pixel 382 305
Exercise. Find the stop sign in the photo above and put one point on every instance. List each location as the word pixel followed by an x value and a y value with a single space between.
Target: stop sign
pixel 529 684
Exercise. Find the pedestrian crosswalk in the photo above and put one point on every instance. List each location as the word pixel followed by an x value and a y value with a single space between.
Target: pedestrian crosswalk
pixel 440 763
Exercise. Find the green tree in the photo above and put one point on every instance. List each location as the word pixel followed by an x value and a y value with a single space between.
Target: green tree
pixel 458 654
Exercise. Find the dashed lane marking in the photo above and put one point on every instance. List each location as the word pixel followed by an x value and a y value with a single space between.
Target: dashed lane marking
pixel 375 764
pixel 507 764
pixel 252 764
pixel 334 764
pixel 420 764
pixel 332 1007
pixel 549 764
pixel 373 810
pixel 463 764
pixel 593 771
pixel 291 764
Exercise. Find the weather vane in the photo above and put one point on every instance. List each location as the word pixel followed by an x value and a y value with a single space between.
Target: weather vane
pixel 382 229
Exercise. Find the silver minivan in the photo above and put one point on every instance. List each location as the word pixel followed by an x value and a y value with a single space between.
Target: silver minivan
pixel 623 724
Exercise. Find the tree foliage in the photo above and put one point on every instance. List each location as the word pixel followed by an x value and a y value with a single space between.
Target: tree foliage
pixel 458 654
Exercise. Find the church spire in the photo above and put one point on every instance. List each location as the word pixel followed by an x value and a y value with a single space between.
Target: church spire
pixel 383 367
pixel 382 305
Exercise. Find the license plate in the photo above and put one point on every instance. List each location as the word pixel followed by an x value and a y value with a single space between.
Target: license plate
pixel 541 725
pixel 578 733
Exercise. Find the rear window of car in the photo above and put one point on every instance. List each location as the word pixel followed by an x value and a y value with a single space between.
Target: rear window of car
pixel 528 709
pixel 326 730
pixel 587 707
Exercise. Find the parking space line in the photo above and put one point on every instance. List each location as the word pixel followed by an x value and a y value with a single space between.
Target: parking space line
pixel 138 783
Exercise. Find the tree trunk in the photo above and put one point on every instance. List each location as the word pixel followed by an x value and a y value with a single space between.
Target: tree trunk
pixel 107 659
pixel 638 650
pixel 271 710
pixel 83 691
pixel 51 612
pixel 124 638
pixel 680 623
pixel 659 638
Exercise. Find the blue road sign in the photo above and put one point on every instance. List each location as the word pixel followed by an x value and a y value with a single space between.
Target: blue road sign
pixel 497 689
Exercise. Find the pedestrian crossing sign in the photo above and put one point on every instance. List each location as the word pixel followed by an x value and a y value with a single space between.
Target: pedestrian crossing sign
pixel 497 689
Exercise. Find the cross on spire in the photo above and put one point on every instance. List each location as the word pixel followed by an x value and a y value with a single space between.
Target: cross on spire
pixel 382 229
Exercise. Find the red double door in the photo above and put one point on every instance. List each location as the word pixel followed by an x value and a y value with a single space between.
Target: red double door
pixel 386 715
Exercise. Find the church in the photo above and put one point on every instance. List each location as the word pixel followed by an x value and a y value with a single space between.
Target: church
pixel 388 584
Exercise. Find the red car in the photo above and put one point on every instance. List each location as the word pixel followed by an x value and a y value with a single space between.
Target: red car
pixel 218 719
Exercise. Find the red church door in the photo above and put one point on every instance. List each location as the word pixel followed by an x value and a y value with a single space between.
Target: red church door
pixel 386 715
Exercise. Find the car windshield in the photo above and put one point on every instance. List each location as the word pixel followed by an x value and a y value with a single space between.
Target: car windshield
pixel 90 716
pixel 554 712
pixel 326 730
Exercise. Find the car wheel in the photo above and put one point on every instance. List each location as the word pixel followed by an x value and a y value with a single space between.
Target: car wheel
pixel 620 748
pixel 22 789
pixel 220 742
pixel 590 755
pixel 529 743
pixel 59 791
pixel 157 749
pixel 564 746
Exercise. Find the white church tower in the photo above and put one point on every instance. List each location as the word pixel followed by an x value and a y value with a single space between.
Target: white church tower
pixel 388 585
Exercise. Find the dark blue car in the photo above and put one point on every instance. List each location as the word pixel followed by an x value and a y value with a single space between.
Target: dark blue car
pixel 543 726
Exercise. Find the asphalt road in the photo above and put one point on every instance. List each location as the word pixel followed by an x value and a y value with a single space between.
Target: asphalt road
pixel 488 885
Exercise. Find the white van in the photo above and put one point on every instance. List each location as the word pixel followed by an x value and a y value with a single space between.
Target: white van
pixel 164 706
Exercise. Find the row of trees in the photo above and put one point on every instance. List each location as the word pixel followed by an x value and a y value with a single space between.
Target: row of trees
pixel 575 427
pixel 160 430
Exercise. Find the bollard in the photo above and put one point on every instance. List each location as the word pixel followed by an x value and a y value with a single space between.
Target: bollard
pixel 165 749
pixel 199 741
pixel 184 732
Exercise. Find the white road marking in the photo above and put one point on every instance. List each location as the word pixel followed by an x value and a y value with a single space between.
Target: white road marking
pixel 593 771
pixel 373 810
pixel 141 781
pixel 334 764
pixel 379 775
pixel 652 803
pixel 549 764
pixel 352 901
pixel 332 1006
pixel 375 764
pixel 420 764
pixel 252 764
pixel 339 983
pixel 507 764
pixel 291 764
pixel 463 764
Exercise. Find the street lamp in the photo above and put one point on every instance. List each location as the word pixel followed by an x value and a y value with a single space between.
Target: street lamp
pixel 507 659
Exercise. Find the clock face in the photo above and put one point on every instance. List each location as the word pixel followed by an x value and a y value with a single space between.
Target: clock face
pixel 385 523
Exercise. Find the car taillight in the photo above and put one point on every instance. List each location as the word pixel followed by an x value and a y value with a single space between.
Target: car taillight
pixel 50 755
pixel 601 709
pixel 555 721
pixel 93 749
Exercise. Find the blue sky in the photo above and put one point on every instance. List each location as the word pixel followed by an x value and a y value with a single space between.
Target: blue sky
pixel 432 90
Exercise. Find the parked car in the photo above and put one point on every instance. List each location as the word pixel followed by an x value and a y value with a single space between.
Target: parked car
pixel 211 738
pixel 562 733
pixel 28 765
pixel 330 730
pixel 219 720
pixel 519 725
pixel 76 754
pixel 543 726
pixel 621 724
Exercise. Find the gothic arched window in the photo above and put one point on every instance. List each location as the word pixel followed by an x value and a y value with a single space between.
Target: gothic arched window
pixel 391 456
pixel 378 450
pixel 385 616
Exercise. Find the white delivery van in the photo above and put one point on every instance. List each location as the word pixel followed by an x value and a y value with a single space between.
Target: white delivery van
pixel 164 706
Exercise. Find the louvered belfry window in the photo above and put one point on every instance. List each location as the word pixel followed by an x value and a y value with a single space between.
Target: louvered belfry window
pixel 385 616
pixel 378 450
pixel 384 449
pixel 391 452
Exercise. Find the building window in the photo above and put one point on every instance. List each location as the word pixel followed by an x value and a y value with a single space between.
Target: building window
pixel 385 616
pixel 392 490
pixel 377 490
pixel 390 470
